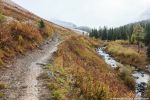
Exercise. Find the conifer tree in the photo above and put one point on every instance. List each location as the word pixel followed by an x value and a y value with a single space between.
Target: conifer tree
pixel 41 24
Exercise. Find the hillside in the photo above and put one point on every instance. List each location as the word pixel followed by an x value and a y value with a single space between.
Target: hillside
pixel 25 41
pixel 20 30
pixel 77 72
pixel 40 60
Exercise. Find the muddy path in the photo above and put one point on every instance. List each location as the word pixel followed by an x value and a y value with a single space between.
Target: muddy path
pixel 21 76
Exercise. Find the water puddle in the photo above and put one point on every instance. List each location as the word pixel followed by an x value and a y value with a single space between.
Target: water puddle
pixel 141 78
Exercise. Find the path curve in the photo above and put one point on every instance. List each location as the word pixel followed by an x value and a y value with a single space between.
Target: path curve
pixel 21 77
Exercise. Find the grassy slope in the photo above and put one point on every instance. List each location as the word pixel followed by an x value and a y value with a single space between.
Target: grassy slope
pixel 19 32
pixel 78 72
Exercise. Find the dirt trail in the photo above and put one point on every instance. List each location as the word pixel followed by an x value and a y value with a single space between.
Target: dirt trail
pixel 22 75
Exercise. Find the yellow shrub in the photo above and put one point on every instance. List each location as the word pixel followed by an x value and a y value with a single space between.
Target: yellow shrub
pixel 27 31
pixel 125 55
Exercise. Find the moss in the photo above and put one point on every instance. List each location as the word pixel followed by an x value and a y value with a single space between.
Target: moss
pixel 59 94
pixel 2 17
pixel 2 86
pixel 52 86
pixel 2 94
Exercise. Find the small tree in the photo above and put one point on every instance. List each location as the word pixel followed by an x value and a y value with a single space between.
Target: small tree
pixel 132 39
pixel 41 24
pixel 138 32
pixel 148 51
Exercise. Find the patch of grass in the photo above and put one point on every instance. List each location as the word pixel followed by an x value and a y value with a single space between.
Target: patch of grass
pixel 59 94
pixel 91 89
pixel 2 86
pixel 27 31
pixel 1 56
pixel 2 94
pixel 2 17
pixel 125 55
pixel 126 75
pixel 123 42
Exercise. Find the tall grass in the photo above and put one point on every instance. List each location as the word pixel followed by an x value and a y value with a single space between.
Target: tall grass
pixel 126 75
pixel 125 55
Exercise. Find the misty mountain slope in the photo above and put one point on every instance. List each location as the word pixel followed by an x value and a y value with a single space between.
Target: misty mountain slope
pixel 64 24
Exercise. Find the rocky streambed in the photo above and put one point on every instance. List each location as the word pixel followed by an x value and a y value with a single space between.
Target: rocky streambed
pixel 141 77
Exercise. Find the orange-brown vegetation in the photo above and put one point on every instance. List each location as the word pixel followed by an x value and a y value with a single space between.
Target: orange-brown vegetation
pixel 19 36
pixel 92 78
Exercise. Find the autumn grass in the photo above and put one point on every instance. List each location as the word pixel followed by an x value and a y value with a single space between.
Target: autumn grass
pixel 2 17
pixel 122 42
pixel 125 55
pixel 17 37
pixel 77 72
pixel 125 74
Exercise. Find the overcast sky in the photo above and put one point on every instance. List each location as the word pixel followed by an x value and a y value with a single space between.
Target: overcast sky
pixel 94 13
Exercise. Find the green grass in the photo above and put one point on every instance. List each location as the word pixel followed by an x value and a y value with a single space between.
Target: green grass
pixel 2 94
pixel 2 17
pixel 2 86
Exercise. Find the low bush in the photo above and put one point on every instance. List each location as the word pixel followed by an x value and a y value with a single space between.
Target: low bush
pixel 128 79
pixel 2 17
pixel 147 91
pixel 91 89
pixel 41 24
pixel 2 94
pixel 2 86
pixel 27 31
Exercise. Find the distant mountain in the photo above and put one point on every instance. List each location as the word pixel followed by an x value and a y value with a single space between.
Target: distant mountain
pixel 85 28
pixel 63 23
pixel 81 29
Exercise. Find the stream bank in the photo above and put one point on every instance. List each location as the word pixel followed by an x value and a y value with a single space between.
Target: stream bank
pixel 141 77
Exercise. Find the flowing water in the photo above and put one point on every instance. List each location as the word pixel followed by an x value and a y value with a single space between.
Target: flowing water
pixel 141 78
